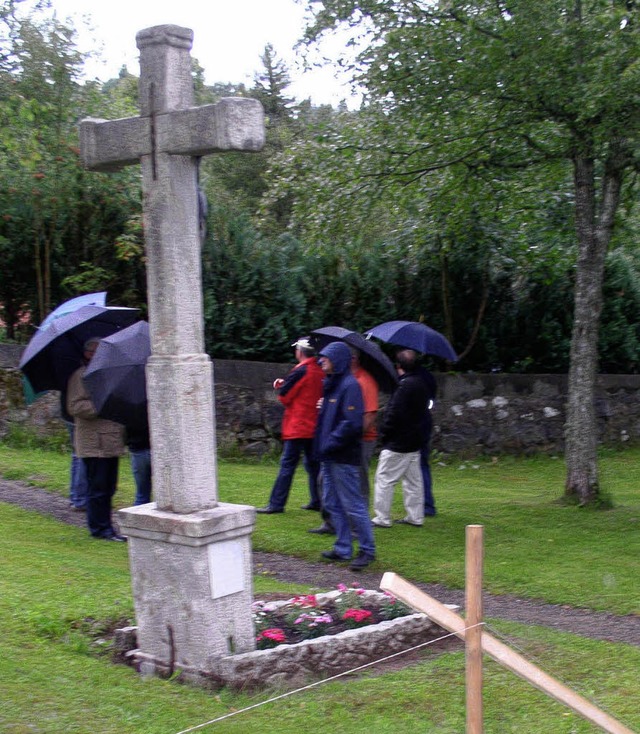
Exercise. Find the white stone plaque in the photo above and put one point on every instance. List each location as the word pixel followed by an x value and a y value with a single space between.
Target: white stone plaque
pixel 226 570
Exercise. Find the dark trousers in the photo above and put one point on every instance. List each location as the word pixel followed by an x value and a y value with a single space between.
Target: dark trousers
pixel 102 480
pixel 293 449
pixel 429 501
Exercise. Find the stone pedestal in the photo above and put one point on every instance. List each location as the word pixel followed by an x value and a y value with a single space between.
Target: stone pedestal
pixel 192 585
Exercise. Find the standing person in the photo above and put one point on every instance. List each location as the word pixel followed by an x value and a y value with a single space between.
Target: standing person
pixel 139 446
pixel 402 434
pixel 370 394
pixel 77 473
pixel 299 392
pixel 425 449
pixel 99 443
pixel 370 397
pixel 338 445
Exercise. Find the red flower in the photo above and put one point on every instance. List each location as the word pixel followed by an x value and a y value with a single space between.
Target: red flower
pixel 357 615
pixel 305 600
pixel 274 633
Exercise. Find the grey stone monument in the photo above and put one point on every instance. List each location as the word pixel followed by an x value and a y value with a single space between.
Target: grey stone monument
pixel 190 554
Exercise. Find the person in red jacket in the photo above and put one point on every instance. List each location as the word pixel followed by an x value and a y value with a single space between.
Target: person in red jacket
pixel 299 392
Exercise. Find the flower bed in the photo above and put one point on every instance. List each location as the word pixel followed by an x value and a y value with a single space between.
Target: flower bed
pixel 325 648
pixel 299 647
pixel 309 616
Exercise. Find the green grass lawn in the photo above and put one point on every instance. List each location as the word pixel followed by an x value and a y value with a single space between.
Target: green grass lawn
pixel 59 590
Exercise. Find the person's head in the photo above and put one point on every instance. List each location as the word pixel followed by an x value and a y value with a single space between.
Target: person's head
pixel 355 357
pixel 89 348
pixel 335 358
pixel 303 348
pixel 406 360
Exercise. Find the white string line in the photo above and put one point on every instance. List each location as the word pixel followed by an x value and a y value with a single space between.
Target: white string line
pixel 327 680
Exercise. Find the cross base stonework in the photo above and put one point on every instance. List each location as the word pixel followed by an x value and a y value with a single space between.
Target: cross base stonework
pixel 192 585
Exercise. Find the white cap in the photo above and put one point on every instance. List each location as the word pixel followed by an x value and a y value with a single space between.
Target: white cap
pixel 302 343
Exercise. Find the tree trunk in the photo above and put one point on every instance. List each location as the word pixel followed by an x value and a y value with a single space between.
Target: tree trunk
pixel 593 233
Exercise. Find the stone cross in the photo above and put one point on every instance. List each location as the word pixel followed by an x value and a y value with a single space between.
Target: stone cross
pixel 165 139
pixel 190 554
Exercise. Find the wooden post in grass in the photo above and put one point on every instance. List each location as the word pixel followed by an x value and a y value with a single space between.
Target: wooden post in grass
pixel 473 637
pixel 440 614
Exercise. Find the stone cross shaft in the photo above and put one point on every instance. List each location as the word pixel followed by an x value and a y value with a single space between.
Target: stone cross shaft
pixel 166 139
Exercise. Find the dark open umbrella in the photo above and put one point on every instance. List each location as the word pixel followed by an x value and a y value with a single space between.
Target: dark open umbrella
pixel 414 335
pixel 372 358
pixel 87 299
pixel 115 377
pixel 55 352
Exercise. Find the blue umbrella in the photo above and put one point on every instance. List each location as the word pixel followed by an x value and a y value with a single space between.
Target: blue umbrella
pixel 73 304
pixel 115 377
pixel 55 352
pixel 414 335
pixel 372 358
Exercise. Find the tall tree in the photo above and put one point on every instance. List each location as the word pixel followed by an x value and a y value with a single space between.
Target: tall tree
pixel 493 89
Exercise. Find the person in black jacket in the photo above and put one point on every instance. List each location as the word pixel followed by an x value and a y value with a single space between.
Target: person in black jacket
pixel 402 436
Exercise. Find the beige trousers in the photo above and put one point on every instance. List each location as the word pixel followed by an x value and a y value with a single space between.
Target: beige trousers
pixel 393 467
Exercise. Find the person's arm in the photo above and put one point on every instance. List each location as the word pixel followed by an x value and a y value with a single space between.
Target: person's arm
pixel 368 420
pixel 79 403
pixel 292 385
pixel 350 421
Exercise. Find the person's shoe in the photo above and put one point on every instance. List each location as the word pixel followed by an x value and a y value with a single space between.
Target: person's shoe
pixel 406 522
pixel 114 537
pixel 333 556
pixel 324 529
pixel 268 510
pixel 378 524
pixel 311 506
pixel 78 508
pixel 362 560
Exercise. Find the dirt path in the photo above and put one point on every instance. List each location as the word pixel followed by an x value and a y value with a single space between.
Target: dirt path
pixel 597 625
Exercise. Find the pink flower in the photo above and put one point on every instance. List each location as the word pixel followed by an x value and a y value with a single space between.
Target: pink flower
pixel 342 587
pixel 305 600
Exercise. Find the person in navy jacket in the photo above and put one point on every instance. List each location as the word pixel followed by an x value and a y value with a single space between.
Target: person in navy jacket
pixel 338 444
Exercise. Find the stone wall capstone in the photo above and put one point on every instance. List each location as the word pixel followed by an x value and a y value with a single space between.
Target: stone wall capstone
pixel 474 413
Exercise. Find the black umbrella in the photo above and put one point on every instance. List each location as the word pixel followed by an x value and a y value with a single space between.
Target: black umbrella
pixel 115 377
pixel 55 352
pixel 414 335
pixel 372 358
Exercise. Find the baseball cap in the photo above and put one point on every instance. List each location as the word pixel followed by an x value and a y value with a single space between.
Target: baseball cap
pixel 303 343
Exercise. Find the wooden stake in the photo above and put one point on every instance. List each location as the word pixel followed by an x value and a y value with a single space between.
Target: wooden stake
pixel 473 638
pixel 422 602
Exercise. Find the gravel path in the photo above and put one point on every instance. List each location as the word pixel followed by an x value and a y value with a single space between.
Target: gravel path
pixel 597 625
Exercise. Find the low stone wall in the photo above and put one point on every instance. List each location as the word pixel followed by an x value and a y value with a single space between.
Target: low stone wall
pixel 290 666
pixel 474 414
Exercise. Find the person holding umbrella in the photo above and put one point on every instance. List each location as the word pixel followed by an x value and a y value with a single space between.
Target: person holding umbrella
pixel 402 433
pixel 99 443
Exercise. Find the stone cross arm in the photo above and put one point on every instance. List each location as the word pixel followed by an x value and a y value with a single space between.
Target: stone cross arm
pixel 234 123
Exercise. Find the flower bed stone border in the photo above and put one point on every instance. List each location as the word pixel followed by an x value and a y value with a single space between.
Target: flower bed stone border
pixel 292 665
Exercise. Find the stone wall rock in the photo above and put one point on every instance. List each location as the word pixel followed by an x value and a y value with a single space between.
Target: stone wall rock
pixel 474 414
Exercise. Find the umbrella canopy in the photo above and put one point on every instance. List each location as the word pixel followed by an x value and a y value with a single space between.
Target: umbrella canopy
pixel 372 358
pixel 115 377
pixel 55 352
pixel 414 335
pixel 73 304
